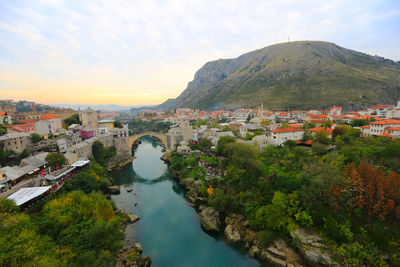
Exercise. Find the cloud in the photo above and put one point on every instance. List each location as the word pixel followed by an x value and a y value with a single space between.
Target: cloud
pixel 132 49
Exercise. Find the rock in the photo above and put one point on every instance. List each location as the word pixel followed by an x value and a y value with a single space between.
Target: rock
pixel 129 190
pixel 234 218
pixel 192 196
pixel 145 261
pixel 310 245
pixel 202 207
pixel 254 251
pixel 232 234
pixel 133 218
pixel 188 183
pixel 268 257
pixel 138 247
pixel 114 190
pixel 210 220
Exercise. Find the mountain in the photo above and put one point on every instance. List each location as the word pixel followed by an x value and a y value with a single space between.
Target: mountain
pixel 294 75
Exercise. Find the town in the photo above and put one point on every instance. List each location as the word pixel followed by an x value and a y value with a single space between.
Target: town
pixel 30 138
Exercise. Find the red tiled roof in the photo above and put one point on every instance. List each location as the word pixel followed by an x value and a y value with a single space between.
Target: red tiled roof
pixel 381 106
pixel 386 122
pixel 365 127
pixel 287 130
pixel 318 129
pixel 394 128
pixel 48 116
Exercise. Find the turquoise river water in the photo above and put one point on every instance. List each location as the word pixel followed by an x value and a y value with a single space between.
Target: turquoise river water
pixel 169 229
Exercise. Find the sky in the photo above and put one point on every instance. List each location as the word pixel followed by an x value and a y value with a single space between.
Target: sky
pixel 144 52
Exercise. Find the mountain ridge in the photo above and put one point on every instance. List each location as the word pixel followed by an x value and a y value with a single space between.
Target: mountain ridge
pixel 294 75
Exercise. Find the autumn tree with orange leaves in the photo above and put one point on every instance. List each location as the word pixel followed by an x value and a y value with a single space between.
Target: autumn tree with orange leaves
pixel 372 190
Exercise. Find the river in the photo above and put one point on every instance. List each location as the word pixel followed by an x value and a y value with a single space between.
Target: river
pixel 169 229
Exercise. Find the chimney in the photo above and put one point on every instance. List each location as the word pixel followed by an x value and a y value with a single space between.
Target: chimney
pixel 33 108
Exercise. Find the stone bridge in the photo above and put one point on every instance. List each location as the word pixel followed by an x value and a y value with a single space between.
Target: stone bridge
pixel 160 136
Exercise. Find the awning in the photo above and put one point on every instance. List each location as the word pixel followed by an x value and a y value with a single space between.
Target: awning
pixel 26 194
pixel 80 163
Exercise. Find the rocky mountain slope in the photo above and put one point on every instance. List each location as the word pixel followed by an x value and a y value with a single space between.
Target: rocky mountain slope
pixel 295 75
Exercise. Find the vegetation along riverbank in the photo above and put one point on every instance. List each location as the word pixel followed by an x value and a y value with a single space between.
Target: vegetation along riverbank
pixel 294 205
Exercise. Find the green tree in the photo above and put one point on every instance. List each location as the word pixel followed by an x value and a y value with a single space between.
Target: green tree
pixel 99 152
pixel 118 124
pixel 223 142
pixel 73 119
pixel 3 129
pixel 205 144
pixel 53 159
pixel 35 138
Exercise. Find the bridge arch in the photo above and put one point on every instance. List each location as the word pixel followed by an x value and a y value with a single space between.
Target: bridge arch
pixel 161 137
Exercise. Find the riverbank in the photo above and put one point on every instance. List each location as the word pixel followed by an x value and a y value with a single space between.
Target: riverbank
pixel 235 227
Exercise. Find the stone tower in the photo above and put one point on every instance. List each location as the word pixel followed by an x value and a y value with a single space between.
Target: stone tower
pixel 88 117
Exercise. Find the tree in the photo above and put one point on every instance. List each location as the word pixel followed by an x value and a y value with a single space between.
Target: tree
pixel 222 144
pixel 36 138
pixel 53 159
pixel 118 124
pixel 99 152
pixel 326 124
pixel 73 119
pixel 319 149
pixel 308 125
pixel 205 144
pixel 322 137
pixel 3 129
pixel 265 123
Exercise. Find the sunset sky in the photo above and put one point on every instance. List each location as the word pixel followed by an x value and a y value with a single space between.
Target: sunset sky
pixel 143 52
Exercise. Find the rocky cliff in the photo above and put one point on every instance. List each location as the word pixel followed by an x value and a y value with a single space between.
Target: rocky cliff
pixel 295 75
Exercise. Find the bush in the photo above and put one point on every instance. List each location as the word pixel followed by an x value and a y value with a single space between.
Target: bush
pixel 267 237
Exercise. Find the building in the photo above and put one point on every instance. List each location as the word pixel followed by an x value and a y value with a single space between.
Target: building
pixel 261 140
pixel 87 133
pixel 16 142
pixel 21 128
pixel 88 117
pixel 106 124
pixel 38 160
pixel 8 109
pixel 380 110
pixel 6 118
pixel 48 125
pixel 328 130
pixel 382 126
pixel 281 135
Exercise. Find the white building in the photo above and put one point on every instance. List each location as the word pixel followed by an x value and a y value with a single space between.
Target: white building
pixel 382 126
pixel 280 135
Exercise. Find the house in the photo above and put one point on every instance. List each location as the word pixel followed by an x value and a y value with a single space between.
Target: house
pixel 6 118
pixel 380 110
pixel 335 111
pixel 317 119
pixel 106 124
pixel 328 130
pixel 261 140
pixel 38 160
pixel 47 125
pixel 280 135
pixel 87 133
pixel 16 142
pixel 21 128
pixel 382 126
